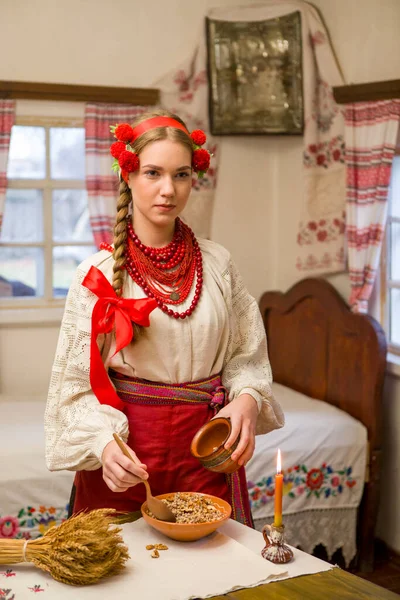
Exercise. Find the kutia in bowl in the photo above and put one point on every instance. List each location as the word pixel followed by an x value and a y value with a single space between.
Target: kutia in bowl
pixel 208 446
pixel 209 511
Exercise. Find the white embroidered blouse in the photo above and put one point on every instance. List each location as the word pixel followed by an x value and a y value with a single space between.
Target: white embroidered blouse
pixel 225 334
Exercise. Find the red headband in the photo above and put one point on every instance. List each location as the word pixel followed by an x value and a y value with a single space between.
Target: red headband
pixel 157 122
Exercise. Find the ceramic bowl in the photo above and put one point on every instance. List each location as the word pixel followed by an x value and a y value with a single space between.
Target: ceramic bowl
pixel 188 532
pixel 208 446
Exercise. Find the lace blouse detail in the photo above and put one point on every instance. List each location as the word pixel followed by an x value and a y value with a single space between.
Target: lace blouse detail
pixel 225 334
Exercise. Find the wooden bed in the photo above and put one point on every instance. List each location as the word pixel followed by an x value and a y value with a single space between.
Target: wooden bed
pixel 318 347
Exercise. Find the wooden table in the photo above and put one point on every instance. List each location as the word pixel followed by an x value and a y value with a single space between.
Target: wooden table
pixel 331 585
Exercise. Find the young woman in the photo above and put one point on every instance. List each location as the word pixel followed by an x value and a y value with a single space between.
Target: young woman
pixel 202 346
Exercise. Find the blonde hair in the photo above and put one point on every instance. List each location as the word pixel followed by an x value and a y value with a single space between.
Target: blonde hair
pixel 125 196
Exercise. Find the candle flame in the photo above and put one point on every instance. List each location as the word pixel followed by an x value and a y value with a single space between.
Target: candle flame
pixel 278 462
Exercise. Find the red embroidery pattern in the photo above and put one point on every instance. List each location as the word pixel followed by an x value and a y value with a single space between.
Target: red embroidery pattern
pixel 324 109
pixel 325 154
pixel 322 230
pixel 361 239
pixel 188 86
pixel 327 261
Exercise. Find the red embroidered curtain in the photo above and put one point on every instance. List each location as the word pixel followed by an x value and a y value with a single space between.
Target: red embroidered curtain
pixel 7 118
pixel 101 182
pixel 370 134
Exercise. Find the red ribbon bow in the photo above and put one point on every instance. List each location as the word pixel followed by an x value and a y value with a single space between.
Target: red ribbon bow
pixel 108 311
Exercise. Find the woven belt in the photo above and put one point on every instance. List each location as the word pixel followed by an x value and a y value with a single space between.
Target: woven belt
pixel 142 391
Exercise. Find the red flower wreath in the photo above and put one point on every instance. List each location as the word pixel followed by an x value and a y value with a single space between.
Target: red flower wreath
pixel 124 133
pixel 200 160
pixel 128 161
pixel 117 148
pixel 198 137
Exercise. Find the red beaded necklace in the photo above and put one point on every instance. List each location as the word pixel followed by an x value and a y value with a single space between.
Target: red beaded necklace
pixel 158 270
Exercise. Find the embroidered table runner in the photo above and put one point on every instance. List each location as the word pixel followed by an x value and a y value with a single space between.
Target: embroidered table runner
pixel 228 559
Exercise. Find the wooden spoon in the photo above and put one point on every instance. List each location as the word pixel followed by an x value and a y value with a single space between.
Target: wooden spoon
pixel 159 509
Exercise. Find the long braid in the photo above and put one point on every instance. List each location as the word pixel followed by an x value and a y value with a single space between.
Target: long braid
pixel 119 254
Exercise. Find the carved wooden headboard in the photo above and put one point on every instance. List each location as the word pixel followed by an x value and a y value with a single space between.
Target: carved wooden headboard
pixel 320 348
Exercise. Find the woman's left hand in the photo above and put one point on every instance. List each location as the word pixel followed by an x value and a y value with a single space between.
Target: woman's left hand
pixel 243 413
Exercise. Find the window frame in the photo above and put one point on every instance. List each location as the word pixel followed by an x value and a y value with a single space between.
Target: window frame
pixel 47 185
pixel 386 283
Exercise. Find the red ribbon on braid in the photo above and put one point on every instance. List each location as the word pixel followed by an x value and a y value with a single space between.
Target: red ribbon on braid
pixel 108 311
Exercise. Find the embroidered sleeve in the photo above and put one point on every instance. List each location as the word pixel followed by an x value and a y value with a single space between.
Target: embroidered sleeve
pixel 77 426
pixel 246 367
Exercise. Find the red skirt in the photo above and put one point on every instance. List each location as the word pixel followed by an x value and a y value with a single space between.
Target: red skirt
pixel 162 422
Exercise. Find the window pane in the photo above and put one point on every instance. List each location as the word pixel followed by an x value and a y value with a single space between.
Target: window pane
pixel 65 261
pixel 21 272
pixel 27 157
pixel 394 189
pixel 395 251
pixel 23 216
pixel 395 316
pixel 67 152
pixel 71 216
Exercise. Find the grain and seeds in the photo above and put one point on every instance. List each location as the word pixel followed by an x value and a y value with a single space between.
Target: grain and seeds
pixel 192 508
pixel 156 547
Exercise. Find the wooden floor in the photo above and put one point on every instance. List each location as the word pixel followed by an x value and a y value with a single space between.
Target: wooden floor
pixel 387 567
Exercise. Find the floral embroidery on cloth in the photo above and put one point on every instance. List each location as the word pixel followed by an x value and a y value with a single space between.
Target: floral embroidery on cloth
pixel 5 594
pixel 31 522
pixel 320 483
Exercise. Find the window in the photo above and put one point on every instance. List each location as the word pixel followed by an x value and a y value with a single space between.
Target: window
pixel 392 262
pixel 46 231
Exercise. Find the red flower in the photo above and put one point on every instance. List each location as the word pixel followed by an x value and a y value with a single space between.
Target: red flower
pixel 322 235
pixel 336 154
pixel 116 148
pixel 198 137
pixel 124 133
pixel 200 160
pixel 336 222
pixel 9 527
pixel 315 479
pixel 350 484
pixel 320 159
pixel 312 225
pixel 128 161
pixel 322 222
pixel 335 481
pixel 312 148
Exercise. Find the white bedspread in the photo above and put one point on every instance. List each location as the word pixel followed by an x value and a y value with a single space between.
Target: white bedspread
pixel 31 498
pixel 324 453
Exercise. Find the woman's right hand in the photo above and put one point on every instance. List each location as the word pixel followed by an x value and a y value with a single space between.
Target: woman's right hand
pixel 119 472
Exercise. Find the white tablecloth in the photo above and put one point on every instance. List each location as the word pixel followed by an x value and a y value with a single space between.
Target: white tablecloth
pixel 228 559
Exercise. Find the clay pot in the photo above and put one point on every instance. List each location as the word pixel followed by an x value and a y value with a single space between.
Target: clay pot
pixel 208 446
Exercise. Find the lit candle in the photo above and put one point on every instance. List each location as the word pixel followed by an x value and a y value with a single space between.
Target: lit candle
pixel 278 492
